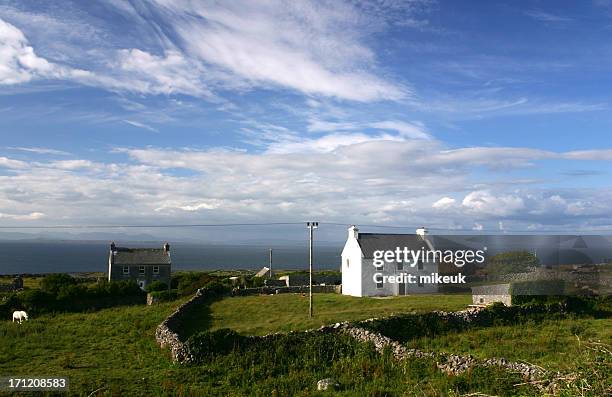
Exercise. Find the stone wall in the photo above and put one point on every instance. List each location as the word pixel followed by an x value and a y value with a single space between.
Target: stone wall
pixel 286 290
pixel 167 333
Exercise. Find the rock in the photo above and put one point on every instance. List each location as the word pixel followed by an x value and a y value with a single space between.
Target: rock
pixel 327 384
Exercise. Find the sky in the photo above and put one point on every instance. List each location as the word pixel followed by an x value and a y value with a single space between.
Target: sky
pixel 479 115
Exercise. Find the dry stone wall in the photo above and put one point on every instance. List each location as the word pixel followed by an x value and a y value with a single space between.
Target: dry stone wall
pixel 269 290
pixel 167 333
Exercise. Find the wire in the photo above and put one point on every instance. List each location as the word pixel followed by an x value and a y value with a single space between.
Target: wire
pixel 213 225
pixel 150 226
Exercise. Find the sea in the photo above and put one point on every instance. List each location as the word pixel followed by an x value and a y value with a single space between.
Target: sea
pixel 34 257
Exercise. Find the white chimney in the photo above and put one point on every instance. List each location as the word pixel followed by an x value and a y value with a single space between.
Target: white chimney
pixel 353 232
pixel 422 231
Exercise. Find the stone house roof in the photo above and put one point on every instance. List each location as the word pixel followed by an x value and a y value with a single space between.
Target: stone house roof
pixel 141 256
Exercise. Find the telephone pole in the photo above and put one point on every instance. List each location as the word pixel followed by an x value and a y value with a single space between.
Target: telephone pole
pixel 311 226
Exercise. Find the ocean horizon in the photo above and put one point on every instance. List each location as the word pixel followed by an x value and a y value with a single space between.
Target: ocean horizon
pixel 26 256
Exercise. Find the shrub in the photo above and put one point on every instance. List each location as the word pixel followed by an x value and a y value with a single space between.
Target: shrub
pixel 165 296
pixel 156 286
pixel 36 300
pixel 188 283
pixel 53 282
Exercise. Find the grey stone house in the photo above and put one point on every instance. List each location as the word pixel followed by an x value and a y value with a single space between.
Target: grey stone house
pixel 144 265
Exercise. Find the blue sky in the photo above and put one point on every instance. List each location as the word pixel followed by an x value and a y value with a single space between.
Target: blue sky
pixel 459 115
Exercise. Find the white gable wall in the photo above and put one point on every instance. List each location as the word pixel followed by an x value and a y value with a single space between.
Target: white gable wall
pixel 352 265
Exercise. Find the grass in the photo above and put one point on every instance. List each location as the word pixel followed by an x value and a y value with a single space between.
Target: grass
pixel 553 344
pixel 258 315
pixel 115 349
pixel 112 346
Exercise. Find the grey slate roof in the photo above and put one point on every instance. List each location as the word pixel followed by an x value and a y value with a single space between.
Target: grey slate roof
pixel 141 256
pixel 370 242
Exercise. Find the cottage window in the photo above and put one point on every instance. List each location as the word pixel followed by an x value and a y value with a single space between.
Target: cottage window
pixel 155 269
pixel 420 282
pixel 420 265
pixel 141 270
pixel 126 270
pixel 379 284
pixel 400 265
pixel 347 262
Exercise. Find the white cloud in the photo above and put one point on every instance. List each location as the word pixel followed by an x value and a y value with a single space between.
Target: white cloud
pixel 23 217
pixel 546 16
pixel 312 48
pixel 40 150
pixel 385 180
pixel 19 63
pixel 444 203
pixel 12 163
pixel 485 203
pixel 406 130
pixel 140 125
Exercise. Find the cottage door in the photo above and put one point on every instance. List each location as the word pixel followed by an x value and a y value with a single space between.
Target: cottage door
pixel 401 289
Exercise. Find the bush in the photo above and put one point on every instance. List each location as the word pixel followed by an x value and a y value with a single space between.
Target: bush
pixel 61 294
pixel 165 296
pixel 36 300
pixel 53 282
pixel 189 283
pixel 156 286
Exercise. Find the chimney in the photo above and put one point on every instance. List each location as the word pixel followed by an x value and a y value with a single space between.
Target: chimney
pixel 422 231
pixel 353 232
pixel 166 247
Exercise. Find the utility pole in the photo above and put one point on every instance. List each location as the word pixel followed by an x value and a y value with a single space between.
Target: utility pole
pixel 311 226
pixel 271 276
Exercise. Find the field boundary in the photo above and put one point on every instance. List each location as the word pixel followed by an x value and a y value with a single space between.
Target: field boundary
pixel 167 333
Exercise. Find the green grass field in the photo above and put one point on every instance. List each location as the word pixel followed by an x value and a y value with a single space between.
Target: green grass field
pixel 554 344
pixel 258 315
pixel 115 349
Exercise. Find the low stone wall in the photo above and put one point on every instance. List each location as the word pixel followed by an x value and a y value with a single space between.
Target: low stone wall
pixel 167 333
pixel 448 363
pixel 330 289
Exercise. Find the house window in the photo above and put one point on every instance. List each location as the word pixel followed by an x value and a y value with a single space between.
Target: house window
pixel 126 270
pixel 400 265
pixel 420 282
pixel 347 262
pixel 141 270
pixel 155 269
pixel 379 285
pixel 420 265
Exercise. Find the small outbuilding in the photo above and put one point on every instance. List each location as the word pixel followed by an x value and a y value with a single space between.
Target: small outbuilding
pixel 488 294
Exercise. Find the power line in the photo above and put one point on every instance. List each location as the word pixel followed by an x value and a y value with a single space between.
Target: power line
pixel 150 226
pixel 214 225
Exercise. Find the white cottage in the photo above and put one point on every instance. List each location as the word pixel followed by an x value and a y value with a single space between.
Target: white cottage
pixel 358 270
